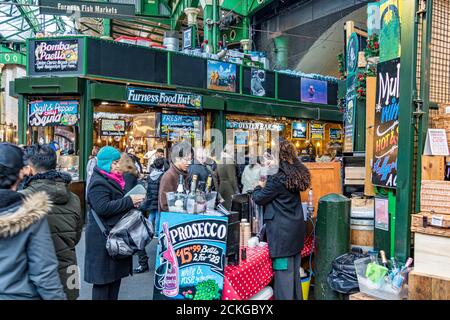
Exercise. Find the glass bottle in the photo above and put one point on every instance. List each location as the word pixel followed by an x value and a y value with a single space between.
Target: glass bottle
pixel 191 200
pixel 171 279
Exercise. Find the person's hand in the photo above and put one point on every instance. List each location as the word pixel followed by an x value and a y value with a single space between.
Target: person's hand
pixel 137 199
pixel 262 183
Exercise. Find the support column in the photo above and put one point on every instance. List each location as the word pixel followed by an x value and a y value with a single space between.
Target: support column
pixel 192 14
pixel 281 52
pixel 406 130
pixel 106 29
pixel 207 21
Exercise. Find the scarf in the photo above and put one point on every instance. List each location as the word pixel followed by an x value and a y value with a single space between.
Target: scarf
pixel 117 177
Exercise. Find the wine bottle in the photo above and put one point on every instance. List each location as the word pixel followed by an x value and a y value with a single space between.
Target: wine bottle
pixel 384 261
pixel 191 200
pixel 180 188
pixel 171 287
pixel 179 197
pixel 208 184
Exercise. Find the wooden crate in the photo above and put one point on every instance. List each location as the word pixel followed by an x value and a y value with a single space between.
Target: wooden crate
pixel 361 296
pixel 422 286
pixel 442 121
pixel 434 196
pixel 432 255
pixel 433 167
pixel 431 223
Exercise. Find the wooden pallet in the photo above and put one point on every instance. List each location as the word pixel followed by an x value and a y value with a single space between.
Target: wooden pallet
pixel 431 223
pixel 361 296
pixel 422 286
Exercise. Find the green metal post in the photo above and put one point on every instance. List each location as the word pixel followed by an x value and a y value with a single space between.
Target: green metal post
pixel 424 94
pixel 207 30
pixel 107 27
pixel 88 125
pixel 220 124
pixel 276 85
pixel 169 68
pixel 391 210
pixel 406 130
pixel 22 119
pixel 215 27
pixel 281 47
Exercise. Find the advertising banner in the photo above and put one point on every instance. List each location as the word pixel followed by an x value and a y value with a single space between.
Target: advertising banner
pixel 111 127
pixel 53 113
pixel 221 76
pixel 258 82
pixel 384 171
pixel 317 130
pixel 299 129
pixel 190 257
pixel 160 98
pixel 349 114
pixel 55 56
pixel 314 91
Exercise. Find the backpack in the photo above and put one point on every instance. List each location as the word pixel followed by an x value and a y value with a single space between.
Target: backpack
pixel 131 234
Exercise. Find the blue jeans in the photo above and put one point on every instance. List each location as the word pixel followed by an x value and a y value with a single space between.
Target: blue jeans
pixel 154 219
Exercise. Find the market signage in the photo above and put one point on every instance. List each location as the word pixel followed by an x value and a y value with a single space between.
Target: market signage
pixel 53 113
pixel 254 126
pixel 190 259
pixel 55 57
pixel 83 8
pixel 384 171
pixel 389 30
pixel 316 130
pixel 112 127
pixel 335 134
pixel 187 38
pixel 299 129
pixel 159 98
pixel 349 114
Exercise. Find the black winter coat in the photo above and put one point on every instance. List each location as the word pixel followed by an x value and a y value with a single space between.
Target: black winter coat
pixel 106 198
pixel 64 218
pixel 151 199
pixel 131 181
pixel 283 216
pixel 201 171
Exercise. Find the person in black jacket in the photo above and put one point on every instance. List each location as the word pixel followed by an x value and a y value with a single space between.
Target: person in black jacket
pixel 151 207
pixel 284 220
pixel 106 198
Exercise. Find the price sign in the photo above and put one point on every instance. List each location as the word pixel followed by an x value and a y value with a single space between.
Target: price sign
pixel 190 257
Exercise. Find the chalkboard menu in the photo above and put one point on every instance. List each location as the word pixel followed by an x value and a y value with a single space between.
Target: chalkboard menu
pixel 58 57
pixel 190 258
pixel 384 171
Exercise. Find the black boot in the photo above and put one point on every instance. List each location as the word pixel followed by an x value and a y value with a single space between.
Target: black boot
pixel 141 269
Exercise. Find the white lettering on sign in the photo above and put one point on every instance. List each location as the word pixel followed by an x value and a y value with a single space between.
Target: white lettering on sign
pixel 198 230
pixel 389 87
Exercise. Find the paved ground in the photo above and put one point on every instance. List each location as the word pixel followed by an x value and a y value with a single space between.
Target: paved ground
pixel 136 287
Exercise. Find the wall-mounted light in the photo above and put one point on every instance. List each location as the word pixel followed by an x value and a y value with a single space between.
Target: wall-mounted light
pixel 105 103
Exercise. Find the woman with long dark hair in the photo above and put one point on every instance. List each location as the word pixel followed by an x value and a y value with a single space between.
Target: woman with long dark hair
pixel 284 220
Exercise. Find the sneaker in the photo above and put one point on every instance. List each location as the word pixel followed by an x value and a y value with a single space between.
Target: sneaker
pixel 141 269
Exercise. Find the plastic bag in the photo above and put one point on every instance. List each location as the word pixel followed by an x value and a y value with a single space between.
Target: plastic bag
pixel 131 234
pixel 342 277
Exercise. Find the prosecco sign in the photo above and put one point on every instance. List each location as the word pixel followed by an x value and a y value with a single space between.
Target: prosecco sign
pixel 91 9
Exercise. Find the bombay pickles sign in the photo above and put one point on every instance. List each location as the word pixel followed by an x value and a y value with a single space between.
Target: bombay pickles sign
pixel 160 98
pixel 384 171
pixel 55 57
pixel 53 113
pixel 190 257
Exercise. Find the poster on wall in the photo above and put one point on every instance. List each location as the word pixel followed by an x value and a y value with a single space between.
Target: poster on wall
pixel 299 129
pixel 384 171
pixel 221 76
pixel 190 257
pixel 335 134
pixel 112 127
pixel 313 91
pixel 373 18
pixel 187 38
pixel 56 56
pixel 317 130
pixel 382 214
pixel 180 125
pixel 241 138
pixel 349 114
pixel 258 82
pixel 389 35
pixel 53 113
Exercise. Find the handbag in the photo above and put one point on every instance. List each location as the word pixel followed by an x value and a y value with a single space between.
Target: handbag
pixel 131 234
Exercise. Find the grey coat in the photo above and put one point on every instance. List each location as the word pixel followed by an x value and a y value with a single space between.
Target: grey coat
pixel 228 181
pixel 28 264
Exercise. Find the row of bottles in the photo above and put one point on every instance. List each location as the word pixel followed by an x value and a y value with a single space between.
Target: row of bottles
pixel 397 275
pixel 196 200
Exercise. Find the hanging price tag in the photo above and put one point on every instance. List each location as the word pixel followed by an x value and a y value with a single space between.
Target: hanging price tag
pixel 437 221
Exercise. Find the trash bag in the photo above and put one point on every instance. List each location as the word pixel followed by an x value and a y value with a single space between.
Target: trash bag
pixel 342 277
